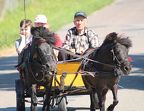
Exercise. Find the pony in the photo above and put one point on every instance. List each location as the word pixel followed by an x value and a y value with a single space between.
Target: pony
pixel 40 66
pixel 103 69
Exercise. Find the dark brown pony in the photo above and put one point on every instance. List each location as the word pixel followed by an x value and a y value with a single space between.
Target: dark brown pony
pixel 40 66
pixel 107 64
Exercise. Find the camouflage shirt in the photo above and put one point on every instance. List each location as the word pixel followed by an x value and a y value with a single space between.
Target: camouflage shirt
pixel 80 42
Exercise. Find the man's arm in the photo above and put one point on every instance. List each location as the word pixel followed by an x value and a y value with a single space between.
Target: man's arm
pixel 93 39
pixel 68 41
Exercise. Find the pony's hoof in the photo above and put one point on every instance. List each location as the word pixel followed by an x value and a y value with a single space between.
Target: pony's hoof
pixel 110 108
pixel 97 107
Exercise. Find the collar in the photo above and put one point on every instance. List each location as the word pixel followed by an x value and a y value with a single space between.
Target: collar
pixel 84 32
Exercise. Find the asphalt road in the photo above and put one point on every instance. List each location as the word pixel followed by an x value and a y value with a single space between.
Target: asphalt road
pixel 124 17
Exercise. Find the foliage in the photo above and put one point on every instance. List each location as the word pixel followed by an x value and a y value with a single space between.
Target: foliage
pixel 59 13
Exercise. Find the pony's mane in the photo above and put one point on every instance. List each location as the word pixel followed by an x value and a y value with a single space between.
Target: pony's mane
pixel 115 38
pixel 42 32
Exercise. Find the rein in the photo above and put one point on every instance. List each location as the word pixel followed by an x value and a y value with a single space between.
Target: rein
pixel 74 55
pixel 84 57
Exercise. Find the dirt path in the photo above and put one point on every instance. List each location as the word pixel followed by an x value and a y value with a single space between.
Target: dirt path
pixel 124 16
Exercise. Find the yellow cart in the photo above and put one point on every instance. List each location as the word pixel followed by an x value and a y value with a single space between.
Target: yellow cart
pixel 70 69
pixel 68 79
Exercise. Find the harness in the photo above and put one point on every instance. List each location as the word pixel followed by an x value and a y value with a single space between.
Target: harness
pixel 43 68
pixel 85 60
pixel 84 57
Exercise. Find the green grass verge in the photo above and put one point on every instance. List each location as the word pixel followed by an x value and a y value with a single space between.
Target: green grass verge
pixel 59 13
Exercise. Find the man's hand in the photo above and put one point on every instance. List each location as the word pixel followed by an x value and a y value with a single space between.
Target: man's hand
pixel 22 36
pixel 72 50
pixel 81 51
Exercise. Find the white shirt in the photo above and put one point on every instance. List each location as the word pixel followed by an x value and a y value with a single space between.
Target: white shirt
pixel 21 43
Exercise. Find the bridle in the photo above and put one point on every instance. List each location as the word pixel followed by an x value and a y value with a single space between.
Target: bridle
pixel 115 59
pixel 35 55
pixel 119 63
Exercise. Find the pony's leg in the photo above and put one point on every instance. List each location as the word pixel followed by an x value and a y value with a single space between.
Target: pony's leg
pixel 33 98
pixel 46 105
pixel 94 101
pixel 102 98
pixel 115 100
pixel 47 99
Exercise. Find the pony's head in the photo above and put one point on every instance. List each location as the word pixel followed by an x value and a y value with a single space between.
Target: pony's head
pixel 114 51
pixel 120 45
pixel 41 50
pixel 42 33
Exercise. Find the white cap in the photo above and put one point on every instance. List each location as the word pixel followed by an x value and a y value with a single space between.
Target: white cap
pixel 40 19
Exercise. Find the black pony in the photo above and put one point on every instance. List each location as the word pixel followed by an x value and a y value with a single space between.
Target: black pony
pixel 39 65
pixel 103 69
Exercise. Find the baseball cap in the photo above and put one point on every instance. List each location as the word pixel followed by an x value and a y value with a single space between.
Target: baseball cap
pixel 40 19
pixel 83 14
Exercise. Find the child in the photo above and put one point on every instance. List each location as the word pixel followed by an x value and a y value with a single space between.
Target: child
pixel 25 35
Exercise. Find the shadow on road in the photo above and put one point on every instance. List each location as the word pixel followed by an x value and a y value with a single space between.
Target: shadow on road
pixel 136 78
pixel 8 73
pixel 7 81
pixel 138 61
pixel 8 63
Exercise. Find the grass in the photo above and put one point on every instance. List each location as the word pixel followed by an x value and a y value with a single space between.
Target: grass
pixel 59 13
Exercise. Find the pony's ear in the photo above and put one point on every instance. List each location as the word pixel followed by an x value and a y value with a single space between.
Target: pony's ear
pixel 35 32
pixel 32 30
pixel 111 36
pixel 39 32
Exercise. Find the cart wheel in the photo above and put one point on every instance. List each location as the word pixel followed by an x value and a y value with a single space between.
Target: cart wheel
pixel 62 104
pixel 20 101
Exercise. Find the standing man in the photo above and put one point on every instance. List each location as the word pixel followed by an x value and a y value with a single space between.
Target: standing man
pixel 80 38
